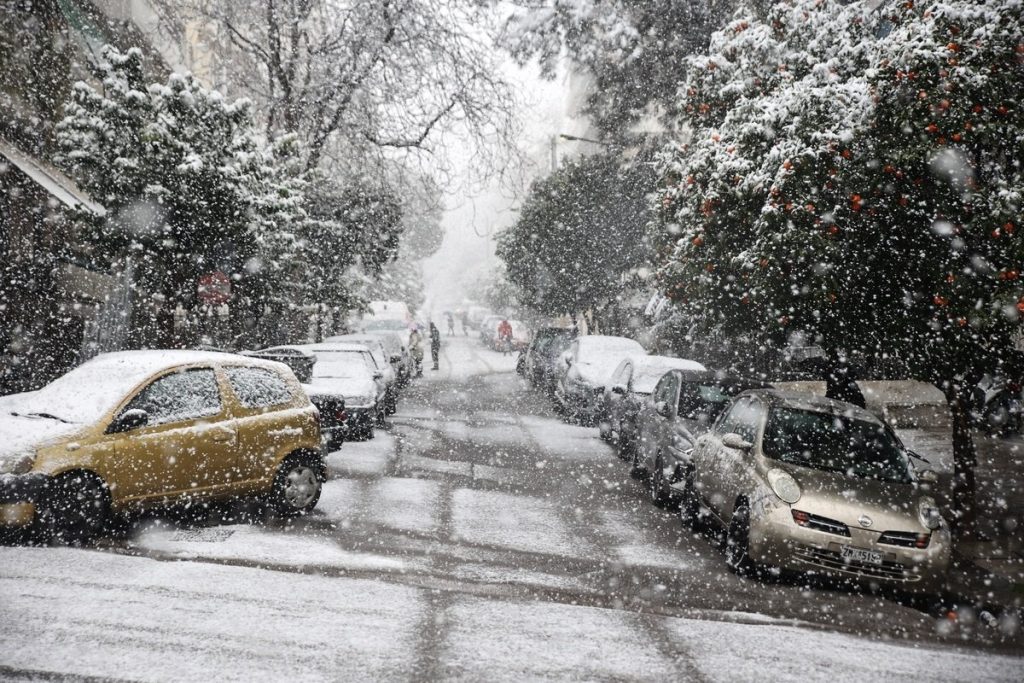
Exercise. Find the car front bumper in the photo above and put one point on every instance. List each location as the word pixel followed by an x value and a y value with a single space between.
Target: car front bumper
pixel 776 540
pixel 18 496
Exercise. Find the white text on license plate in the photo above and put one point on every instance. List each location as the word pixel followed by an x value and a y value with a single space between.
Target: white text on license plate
pixel 859 555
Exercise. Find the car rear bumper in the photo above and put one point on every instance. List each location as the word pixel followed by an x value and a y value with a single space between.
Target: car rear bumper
pixel 776 540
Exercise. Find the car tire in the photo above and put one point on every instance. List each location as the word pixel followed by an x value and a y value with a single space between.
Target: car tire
pixel 737 541
pixel 74 510
pixel 297 486
pixel 689 507
pixel 636 469
pixel 656 489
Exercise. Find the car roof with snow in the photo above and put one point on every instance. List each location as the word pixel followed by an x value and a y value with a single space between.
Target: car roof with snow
pixel 596 343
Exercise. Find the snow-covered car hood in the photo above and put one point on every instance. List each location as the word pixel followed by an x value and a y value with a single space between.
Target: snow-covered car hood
pixel 20 437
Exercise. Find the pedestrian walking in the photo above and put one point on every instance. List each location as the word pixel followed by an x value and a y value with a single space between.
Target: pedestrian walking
pixel 505 337
pixel 450 319
pixel 465 322
pixel 416 349
pixel 435 343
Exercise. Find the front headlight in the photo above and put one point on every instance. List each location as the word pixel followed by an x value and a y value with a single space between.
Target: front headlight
pixel 784 486
pixel 928 513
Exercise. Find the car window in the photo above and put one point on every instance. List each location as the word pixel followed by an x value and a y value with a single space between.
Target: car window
pixel 258 387
pixel 180 396
pixel 702 401
pixel 835 443
pixel 666 389
pixel 744 418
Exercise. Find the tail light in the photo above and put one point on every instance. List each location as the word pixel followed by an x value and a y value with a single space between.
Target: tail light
pixel 922 540
pixel 341 415
pixel 801 517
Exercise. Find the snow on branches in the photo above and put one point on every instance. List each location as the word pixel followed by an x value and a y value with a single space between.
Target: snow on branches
pixel 852 172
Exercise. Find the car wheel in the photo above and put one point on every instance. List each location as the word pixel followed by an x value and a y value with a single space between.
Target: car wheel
pixel 637 468
pixel 74 510
pixel 689 508
pixel 297 487
pixel 737 541
pixel 656 489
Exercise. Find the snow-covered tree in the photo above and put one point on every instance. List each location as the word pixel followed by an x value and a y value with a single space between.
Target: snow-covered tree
pixel 187 183
pixel 580 234
pixel 853 174
pixel 361 81
pixel 631 50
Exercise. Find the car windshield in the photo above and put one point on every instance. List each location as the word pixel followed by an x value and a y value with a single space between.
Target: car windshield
pixel 340 365
pixel 704 401
pixel 835 443
pixel 377 325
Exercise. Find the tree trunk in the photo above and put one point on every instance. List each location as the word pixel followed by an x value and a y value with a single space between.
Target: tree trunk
pixel 959 399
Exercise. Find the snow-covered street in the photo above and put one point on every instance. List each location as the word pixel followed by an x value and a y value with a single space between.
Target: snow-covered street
pixel 477 538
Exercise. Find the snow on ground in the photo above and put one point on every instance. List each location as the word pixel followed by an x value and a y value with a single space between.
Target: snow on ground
pixel 259 546
pixel 363 458
pixel 463 358
pixel 636 547
pixel 723 652
pixel 88 613
pixel 566 442
pixel 399 504
pixel 548 641
pixel 94 614
pixel 496 519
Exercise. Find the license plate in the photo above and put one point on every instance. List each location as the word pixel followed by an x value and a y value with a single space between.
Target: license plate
pixel 852 554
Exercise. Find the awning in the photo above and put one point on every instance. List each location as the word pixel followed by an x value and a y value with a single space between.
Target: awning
pixel 50 179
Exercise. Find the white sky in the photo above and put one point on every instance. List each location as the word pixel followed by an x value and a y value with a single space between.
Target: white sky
pixel 471 222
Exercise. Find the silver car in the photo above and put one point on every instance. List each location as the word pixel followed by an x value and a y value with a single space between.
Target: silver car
pixel 683 405
pixel 819 486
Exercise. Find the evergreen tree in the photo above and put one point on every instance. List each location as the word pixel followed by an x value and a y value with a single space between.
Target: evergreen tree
pixel 188 186
pixel 852 175
pixel 580 234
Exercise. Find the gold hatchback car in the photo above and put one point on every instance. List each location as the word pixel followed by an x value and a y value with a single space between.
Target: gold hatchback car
pixel 819 486
pixel 141 429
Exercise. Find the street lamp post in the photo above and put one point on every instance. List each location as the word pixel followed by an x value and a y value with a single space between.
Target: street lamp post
pixel 573 138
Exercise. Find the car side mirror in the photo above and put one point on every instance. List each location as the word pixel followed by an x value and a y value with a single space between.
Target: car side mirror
pixel 619 389
pixel 734 440
pixel 661 407
pixel 129 420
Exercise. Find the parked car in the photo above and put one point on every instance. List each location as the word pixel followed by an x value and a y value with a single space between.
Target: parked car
pixel 476 315
pixel 683 405
pixel 333 416
pixel 349 371
pixel 96 442
pixel 810 484
pixel 387 363
pixel 589 363
pixel 543 354
pixel 488 329
pixel 374 325
pixel 628 390
pixel 397 346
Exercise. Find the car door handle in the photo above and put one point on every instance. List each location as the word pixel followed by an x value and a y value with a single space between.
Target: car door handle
pixel 223 436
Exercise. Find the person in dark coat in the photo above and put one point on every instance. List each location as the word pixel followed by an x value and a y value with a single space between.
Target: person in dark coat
pixel 435 343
